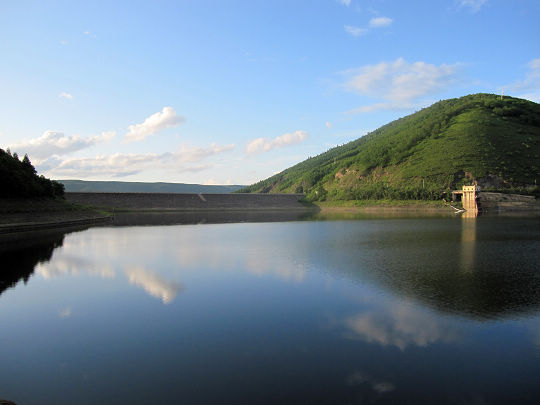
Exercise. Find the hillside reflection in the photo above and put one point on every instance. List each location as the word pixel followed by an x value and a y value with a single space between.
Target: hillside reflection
pixel 19 255
pixel 476 269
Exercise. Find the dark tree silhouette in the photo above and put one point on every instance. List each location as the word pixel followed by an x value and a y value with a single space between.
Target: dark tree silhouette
pixel 20 179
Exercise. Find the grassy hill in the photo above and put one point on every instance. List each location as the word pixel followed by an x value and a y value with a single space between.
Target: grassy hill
pixel 140 187
pixel 477 138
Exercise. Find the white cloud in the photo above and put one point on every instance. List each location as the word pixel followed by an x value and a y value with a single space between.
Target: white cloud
pixel 344 2
pixel 535 66
pixel 213 182
pixel 53 143
pixel 378 22
pixel 89 34
pixel 116 165
pixel 264 145
pixel 65 95
pixel 528 88
pixel 399 84
pixel 355 31
pixel 473 5
pixel 194 154
pixel 328 124
pixel 185 159
pixel 167 118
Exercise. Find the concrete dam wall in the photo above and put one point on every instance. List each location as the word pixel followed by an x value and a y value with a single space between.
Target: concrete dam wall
pixel 187 202
pixel 489 201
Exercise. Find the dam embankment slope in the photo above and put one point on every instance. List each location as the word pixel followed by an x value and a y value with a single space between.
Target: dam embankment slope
pixel 499 202
pixel 188 202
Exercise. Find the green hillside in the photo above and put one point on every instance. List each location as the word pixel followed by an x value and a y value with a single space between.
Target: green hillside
pixel 477 138
pixel 141 187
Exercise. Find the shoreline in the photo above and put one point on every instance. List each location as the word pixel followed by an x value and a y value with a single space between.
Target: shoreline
pixel 26 215
pixel 11 228
pixel 383 206
pixel 18 216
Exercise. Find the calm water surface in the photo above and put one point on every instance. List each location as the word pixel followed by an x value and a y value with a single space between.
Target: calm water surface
pixel 377 310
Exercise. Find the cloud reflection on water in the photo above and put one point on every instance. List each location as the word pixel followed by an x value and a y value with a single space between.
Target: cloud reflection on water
pixel 377 385
pixel 65 313
pixel 262 266
pixel 153 284
pixel 259 254
pixel 69 265
pixel 400 325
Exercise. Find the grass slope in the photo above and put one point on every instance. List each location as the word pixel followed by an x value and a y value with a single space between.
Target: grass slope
pixel 477 138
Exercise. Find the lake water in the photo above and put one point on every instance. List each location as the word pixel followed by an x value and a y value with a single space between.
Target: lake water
pixel 359 311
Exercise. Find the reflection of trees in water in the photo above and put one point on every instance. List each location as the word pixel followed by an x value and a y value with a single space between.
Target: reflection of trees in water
pixel 483 270
pixel 19 256
pixel 484 293
pixel 493 273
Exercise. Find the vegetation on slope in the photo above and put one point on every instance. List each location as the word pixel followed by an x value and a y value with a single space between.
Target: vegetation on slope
pixel 18 178
pixel 478 138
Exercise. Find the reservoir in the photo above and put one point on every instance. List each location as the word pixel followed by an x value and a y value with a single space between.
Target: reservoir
pixel 292 310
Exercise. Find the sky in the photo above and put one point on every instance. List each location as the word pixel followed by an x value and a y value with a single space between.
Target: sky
pixel 234 91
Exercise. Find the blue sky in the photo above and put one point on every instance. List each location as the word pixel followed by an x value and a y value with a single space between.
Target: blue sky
pixel 231 92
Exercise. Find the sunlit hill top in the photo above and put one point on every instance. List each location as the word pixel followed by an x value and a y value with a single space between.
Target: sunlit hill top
pixel 486 139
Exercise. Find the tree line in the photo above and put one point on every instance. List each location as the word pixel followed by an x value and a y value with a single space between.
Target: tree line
pixel 18 178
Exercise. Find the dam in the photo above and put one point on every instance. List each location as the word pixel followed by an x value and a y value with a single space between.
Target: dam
pixel 189 202
pixel 474 200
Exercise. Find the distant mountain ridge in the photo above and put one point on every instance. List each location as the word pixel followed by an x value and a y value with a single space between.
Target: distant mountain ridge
pixel 143 187
pixel 481 138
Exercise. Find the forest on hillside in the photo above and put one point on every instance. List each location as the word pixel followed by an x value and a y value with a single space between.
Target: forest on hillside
pixel 18 178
